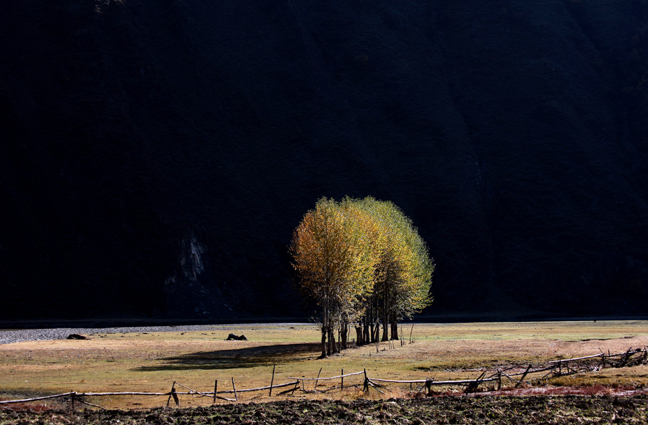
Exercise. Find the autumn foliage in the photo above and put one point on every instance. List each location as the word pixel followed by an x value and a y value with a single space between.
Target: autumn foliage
pixel 365 265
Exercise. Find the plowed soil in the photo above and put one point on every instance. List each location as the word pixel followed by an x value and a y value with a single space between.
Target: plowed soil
pixel 435 410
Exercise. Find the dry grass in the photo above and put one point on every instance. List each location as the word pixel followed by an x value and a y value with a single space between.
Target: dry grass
pixel 151 362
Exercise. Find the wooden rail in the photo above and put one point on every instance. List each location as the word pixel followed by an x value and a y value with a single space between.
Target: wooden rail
pixel 328 378
pixel 580 358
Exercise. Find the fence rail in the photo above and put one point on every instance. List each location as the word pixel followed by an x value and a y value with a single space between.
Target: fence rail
pixel 554 368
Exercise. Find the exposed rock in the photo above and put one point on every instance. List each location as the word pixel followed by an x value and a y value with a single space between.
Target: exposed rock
pixel 76 336
pixel 232 337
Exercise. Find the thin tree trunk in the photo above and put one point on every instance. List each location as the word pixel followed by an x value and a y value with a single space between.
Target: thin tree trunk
pixel 372 320
pixel 365 330
pixel 328 344
pixel 325 327
pixel 323 341
pixel 385 314
pixel 367 335
pixel 385 336
pixel 394 329
pixel 328 347
pixel 332 341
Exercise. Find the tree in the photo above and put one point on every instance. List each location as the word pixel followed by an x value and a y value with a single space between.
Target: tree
pixel 402 270
pixel 363 262
pixel 327 254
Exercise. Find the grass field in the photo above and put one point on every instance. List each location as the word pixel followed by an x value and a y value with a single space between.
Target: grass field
pixel 152 361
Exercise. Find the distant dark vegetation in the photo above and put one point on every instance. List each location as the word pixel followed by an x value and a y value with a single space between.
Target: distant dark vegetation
pixel 155 156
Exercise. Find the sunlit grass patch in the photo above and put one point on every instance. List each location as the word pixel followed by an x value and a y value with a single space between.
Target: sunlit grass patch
pixel 152 361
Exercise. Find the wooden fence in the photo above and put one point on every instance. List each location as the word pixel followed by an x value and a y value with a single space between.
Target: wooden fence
pixel 514 375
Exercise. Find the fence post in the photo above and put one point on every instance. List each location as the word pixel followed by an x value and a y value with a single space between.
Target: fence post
pixel 234 386
pixel 169 399
pixel 215 390
pixel 342 380
pixel 472 387
pixel 174 395
pixel 317 379
pixel 428 386
pixel 366 382
pixel 272 380
pixel 72 394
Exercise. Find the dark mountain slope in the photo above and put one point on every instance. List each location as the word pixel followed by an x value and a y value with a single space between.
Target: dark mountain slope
pixel 156 157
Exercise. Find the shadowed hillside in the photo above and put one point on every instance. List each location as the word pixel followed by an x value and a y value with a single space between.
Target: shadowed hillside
pixel 157 156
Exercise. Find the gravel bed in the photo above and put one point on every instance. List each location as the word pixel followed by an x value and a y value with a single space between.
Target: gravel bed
pixel 10 337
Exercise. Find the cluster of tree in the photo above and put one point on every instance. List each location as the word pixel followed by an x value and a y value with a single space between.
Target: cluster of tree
pixel 365 265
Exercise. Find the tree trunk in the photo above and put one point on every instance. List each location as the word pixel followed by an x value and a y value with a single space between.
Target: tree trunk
pixel 325 327
pixel 365 331
pixel 323 342
pixel 385 336
pixel 394 329
pixel 372 320
pixel 359 335
pixel 345 332
pixel 328 343
pixel 385 314
pixel 333 349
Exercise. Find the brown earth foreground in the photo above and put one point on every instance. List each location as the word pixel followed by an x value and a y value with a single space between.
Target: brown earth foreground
pixel 438 410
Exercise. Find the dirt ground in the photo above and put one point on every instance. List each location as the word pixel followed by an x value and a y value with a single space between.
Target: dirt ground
pixel 434 410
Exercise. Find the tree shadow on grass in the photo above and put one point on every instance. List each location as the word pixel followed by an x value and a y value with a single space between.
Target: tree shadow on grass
pixel 236 358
